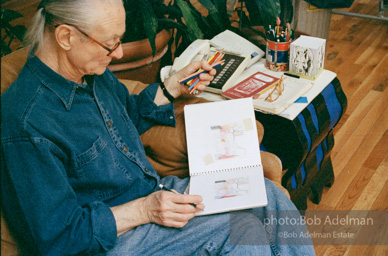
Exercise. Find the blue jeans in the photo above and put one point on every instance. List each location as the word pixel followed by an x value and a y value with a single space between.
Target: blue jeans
pixel 211 235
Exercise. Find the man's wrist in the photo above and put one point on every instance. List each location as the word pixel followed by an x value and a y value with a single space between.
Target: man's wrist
pixel 166 93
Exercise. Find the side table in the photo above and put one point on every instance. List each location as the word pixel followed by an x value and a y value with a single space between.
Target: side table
pixel 304 143
pixel 302 135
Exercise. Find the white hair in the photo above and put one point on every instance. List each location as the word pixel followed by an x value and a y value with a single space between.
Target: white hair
pixel 81 13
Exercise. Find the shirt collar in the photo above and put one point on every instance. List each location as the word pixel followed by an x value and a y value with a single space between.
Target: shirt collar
pixel 62 87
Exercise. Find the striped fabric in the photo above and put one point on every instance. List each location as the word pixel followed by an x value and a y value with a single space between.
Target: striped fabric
pixel 305 143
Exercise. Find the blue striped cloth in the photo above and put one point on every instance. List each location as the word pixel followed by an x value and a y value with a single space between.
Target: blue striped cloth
pixel 305 143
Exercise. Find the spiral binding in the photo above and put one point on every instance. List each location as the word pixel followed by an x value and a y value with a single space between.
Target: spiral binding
pixel 225 170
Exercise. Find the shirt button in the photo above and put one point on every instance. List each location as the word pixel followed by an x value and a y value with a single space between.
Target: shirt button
pixel 171 117
pixel 110 124
pixel 125 148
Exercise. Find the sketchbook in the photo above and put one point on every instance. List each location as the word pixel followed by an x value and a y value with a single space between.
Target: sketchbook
pixel 224 155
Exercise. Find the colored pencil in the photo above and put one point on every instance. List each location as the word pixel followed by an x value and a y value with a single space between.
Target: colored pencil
pixel 196 74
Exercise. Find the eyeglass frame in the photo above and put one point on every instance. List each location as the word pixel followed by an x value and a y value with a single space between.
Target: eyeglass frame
pixel 110 51
pixel 279 87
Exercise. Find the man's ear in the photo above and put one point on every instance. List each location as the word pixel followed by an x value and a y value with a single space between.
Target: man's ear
pixel 63 36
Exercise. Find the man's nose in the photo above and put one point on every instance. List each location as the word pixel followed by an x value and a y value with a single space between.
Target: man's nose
pixel 118 53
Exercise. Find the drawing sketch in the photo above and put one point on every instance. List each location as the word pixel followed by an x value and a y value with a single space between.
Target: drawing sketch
pixel 231 188
pixel 226 142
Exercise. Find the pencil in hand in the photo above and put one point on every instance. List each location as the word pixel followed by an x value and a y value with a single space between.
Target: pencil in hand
pixel 193 80
pixel 167 189
pixel 213 59
pixel 198 82
pixel 196 74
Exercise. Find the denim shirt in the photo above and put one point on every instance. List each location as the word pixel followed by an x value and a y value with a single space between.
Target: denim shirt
pixel 69 152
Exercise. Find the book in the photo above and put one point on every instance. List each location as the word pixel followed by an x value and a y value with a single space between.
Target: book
pixel 224 155
pixel 293 89
pixel 228 73
pixel 260 84
pixel 252 86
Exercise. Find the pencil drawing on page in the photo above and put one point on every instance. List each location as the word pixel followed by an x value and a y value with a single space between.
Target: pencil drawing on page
pixel 228 141
pixel 231 187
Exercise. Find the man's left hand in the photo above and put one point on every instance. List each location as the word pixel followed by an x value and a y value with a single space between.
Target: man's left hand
pixel 176 89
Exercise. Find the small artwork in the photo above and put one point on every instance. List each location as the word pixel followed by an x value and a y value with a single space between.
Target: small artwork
pixel 302 60
pixel 321 57
pixel 231 187
pixel 307 56
pixel 228 140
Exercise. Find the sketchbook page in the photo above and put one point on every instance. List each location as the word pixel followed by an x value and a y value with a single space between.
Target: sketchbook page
pixel 232 42
pixel 293 89
pixel 230 190
pixel 221 135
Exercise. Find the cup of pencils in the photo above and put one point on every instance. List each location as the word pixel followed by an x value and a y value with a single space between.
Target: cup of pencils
pixel 278 47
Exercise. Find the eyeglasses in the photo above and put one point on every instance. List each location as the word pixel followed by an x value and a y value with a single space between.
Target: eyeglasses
pixel 276 92
pixel 114 48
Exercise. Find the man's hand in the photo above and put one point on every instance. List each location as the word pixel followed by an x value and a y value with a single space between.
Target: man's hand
pixel 171 209
pixel 161 207
pixel 176 89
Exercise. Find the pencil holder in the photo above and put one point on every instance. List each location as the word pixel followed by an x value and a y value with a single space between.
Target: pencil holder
pixel 277 55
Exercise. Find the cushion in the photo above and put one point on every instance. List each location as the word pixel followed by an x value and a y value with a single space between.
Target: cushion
pixel 11 65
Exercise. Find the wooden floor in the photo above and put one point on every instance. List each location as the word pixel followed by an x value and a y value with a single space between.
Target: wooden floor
pixel 357 50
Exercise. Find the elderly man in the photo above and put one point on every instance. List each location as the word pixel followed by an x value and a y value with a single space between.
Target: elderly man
pixel 75 178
